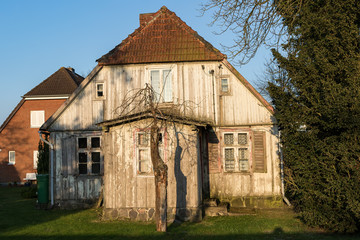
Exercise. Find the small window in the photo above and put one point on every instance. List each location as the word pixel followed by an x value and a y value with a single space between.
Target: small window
pixel 35 158
pixel 229 139
pixel 100 93
pixel 37 118
pixel 11 157
pixel 225 85
pixel 161 83
pixel 236 152
pixel 89 155
pixel 143 153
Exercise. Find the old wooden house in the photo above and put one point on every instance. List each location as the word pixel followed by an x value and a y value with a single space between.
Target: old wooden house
pixel 219 138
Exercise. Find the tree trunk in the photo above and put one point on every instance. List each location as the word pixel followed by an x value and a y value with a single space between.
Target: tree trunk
pixel 161 175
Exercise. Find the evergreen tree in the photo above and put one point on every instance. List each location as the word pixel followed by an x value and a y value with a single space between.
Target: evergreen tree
pixel 317 103
pixel 43 157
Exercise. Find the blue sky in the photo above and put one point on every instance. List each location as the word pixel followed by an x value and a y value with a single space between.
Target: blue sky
pixel 38 37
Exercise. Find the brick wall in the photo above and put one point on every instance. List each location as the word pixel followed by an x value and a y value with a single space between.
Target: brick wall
pixel 19 137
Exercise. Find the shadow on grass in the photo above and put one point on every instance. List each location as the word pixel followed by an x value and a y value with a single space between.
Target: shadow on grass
pixel 17 212
pixel 19 219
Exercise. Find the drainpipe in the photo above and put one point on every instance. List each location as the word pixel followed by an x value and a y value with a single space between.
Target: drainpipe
pixel 213 86
pixel 51 168
pixel 282 173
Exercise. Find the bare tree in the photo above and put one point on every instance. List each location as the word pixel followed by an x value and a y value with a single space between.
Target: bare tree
pixel 254 23
pixel 146 100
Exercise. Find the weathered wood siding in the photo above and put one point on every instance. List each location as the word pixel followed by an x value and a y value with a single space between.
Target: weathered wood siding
pixel 71 188
pixel 126 188
pixel 193 88
pixel 229 185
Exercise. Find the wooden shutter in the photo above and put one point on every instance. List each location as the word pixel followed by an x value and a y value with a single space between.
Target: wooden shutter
pixel 259 152
pixel 69 162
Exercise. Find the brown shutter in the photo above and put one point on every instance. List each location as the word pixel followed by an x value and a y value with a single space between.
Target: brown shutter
pixel 259 153
pixel 68 164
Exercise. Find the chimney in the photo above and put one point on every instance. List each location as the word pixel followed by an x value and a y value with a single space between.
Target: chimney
pixel 145 18
pixel 71 69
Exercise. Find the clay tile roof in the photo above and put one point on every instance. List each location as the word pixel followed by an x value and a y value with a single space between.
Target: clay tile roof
pixel 63 82
pixel 162 37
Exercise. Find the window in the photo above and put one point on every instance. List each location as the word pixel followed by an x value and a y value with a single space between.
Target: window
pixel 236 152
pixel 35 159
pixel 89 155
pixel 11 157
pixel 225 85
pixel 37 118
pixel 100 91
pixel 162 84
pixel 143 154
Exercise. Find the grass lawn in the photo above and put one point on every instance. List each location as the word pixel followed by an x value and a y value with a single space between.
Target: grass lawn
pixel 19 219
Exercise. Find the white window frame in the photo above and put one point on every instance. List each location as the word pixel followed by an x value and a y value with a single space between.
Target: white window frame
pixel 12 162
pixel 37 118
pixel 237 146
pixel 88 151
pixel 227 84
pixel 160 96
pixel 35 158
pixel 139 148
pixel 97 91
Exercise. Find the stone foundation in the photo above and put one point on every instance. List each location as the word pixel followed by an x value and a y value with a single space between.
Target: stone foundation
pixel 148 214
pixel 255 202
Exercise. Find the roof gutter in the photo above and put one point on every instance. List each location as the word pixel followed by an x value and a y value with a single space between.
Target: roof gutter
pixel 51 167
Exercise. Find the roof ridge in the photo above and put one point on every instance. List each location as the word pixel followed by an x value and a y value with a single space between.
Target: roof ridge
pixel 143 26
pixel 64 80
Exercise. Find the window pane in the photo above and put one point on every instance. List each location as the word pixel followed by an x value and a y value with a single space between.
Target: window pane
pixel 242 138
pixel 82 142
pixel 155 83
pixel 224 85
pixel 229 159
pixel 244 165
pixel 243 153
pixel 37 118
pixel 95 168
pixel 143 160
pixel 100 90
pixel 95 142
pixel 35 158
pixel 82 168
pixel 229 138
pixel 95 157
pixel 167 92
pixel 143 139
pixel 82 158
pixel 12 157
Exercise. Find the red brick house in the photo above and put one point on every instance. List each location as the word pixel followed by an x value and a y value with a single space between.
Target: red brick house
pixel 19 136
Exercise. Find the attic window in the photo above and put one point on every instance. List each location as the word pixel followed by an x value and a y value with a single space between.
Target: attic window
pixel 161 83
pixel 225 85
pixel 37 118
pixel 100 93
